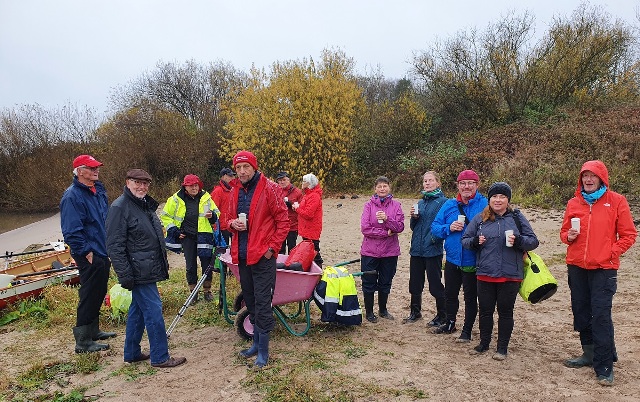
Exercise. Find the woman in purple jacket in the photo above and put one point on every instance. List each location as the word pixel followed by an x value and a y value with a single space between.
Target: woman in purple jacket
pixel 382 220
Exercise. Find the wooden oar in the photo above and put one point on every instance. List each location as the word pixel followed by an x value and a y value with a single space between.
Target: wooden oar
pixel 48 271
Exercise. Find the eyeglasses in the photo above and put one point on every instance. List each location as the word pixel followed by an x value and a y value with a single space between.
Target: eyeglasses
pixel 93 169
pixel 142 183
pixel 467 183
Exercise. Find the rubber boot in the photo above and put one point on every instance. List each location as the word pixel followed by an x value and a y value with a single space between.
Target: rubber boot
pixel 263 348
pixel 415 306
pixel 382 306
pixel 368 307
pixel 581 361
pixel 96 334
pixel 253 350
pixel 84 343
pixel 206 288
pixel 195 299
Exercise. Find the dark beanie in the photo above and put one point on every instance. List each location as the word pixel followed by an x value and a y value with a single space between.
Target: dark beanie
pixel 500 187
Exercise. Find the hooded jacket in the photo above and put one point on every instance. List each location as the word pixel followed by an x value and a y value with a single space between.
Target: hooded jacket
pixel 293 194
pixel 310 214
pixel 267 220
pixel 606 227
pixel 423 243
pixel 381 239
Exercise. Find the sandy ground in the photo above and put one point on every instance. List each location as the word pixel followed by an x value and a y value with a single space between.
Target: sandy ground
pixel 405 356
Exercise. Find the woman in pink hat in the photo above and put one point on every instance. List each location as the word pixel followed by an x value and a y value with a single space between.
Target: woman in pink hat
pixel 188 217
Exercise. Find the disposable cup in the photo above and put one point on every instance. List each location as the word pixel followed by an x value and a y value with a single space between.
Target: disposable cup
pixel 380 220
pixel 508 233
pixel 461 218
pixel 286 199
pixel 243 217
pixel 415 209
pixel 575 224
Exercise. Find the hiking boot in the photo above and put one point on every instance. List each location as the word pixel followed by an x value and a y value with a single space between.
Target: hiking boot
pixel 437 321
pixel 413 317
pixel 415 306
pixel 464 337
pixel 170 362
pixel 499 356
pixel 606 380
pixel 478 350
pixel 141 357
pixel 447 328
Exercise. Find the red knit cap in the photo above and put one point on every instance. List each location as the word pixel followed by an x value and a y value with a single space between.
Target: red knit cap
pixel 245 156
pixel 192 179
pixel 468 175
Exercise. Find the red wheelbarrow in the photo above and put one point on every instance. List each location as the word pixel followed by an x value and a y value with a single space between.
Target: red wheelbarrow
pixel 291 287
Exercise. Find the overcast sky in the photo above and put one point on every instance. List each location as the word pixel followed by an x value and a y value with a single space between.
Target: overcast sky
pixel 54 52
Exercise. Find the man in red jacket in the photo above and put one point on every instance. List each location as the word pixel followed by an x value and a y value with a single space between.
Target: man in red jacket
pixel 220 195
pixel 291 195
pixel 597 228
pixel 258 220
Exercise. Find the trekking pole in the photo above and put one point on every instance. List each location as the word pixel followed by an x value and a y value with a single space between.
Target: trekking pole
pixel 187 303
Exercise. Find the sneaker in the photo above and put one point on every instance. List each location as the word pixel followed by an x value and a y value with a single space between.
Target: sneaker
pixel 499 356
pixel 170 362
pixel 478 350
pixel 606 380
pixel 448 328
pixel 142 357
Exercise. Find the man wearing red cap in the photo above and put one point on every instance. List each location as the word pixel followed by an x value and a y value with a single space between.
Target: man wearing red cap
pixel 83 212
pixel 257 236
pixel 187 217
pixel 460 264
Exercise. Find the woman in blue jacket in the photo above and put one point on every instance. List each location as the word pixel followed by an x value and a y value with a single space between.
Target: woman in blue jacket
pixel 500 236
pixel 426 251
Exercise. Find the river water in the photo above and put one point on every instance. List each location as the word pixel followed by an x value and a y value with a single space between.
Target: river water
pixel 10 221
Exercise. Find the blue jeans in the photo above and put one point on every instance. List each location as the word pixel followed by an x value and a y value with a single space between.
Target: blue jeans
pixel 146 311
pixel 592 293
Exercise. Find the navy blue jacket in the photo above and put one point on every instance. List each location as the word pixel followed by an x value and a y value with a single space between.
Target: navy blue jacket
pixel 423 243
pixel 82 219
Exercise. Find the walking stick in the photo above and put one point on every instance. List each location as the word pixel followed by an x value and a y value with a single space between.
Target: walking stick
pixel 192 296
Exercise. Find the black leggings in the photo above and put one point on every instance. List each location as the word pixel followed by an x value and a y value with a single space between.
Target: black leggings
pixel 503 295
pixel 454 278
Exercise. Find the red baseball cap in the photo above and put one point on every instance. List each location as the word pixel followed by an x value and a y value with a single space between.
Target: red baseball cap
pixel 86 160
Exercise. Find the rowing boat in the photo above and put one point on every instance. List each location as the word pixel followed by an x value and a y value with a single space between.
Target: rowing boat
pixel 29 279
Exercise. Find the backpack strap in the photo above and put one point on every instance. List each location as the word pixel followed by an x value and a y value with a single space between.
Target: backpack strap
pixel 466 218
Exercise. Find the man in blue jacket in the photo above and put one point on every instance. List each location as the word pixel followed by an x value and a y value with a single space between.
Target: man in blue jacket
pixel 83 212
pixel 460 265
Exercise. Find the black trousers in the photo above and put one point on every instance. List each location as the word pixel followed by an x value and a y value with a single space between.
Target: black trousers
pixel 190 250
pixel 257 283
pixel 503 295
pixel 289 242
pixel 432 266
pixel 454 278
pixel 93 287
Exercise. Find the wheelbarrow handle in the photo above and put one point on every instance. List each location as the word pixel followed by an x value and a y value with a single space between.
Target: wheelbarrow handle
pixel 347 262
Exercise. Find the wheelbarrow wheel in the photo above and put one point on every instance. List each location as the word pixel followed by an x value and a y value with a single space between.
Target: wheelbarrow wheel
pixel 238 303
pixel 243 325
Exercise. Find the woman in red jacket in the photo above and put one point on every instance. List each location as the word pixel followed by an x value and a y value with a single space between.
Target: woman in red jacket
pixel 310 213
pixel 598 228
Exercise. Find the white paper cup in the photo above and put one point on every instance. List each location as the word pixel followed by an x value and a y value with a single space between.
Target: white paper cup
pixel 508 233
pixel 243 218
pixel 575 224
pixel 380 220
pixel 461 218
pixel 286 199
pixel 415 209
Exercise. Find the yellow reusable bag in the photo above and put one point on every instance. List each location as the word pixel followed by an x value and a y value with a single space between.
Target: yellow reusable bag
pixel 538 283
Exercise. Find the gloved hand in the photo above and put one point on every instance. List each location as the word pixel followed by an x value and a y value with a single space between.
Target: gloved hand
pixel 127 283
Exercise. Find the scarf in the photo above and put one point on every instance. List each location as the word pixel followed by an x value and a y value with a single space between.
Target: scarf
pixel 591 198
pixel 428 194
